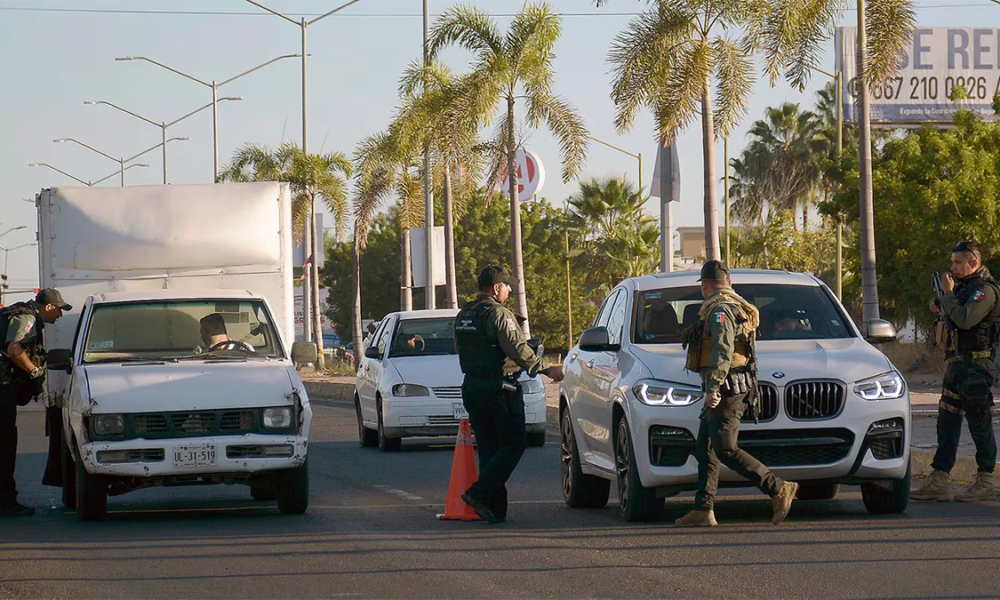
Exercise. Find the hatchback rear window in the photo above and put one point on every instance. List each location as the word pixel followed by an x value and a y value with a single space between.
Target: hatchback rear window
pixel 787 312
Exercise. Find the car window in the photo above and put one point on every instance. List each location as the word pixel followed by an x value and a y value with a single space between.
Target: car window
pixel 616 319
pixel 787 312
pixel 382 337
pixel 605 313
pixel 423 337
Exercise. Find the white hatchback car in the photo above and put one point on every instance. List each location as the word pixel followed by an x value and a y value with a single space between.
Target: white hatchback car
pixel 409 382
pixel 834 408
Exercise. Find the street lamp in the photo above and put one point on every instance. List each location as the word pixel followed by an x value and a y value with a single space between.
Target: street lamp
pixel 636 156
pixel 311 305
pixel 3 278
pixel 163 125
pixel 121 161
pixel 116 172
pixel 215 94
pixel 86 183
pixel 13 229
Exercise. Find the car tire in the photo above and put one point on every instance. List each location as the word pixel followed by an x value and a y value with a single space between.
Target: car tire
pixel 68 475
pixel 635 502
pixel 881 501
pixel 263 494
pixel 91 495
pixel 293 489
pixel 386 444
pixel 535 439
pixel 366 437
pixel 820 491
pixel 579 489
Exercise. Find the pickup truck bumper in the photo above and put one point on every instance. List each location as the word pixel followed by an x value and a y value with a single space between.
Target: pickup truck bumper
pixel 194 456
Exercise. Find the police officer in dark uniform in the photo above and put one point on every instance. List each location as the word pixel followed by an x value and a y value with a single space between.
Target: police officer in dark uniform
pixel 721 347
pixel 491 345
pixel 22 372
pixel 972 304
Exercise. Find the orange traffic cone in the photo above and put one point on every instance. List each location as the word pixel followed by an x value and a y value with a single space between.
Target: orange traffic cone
pixel 463 475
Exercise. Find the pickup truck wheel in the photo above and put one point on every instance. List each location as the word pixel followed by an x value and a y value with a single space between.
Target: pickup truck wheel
pixel 91 495
pixel 635 502
pixel 366 437
pixel 293 489
pixel 68 475
pixel 263 494
pixel 386 444
pixel 886 501
pixel 579 490
pixel 821 491
pixel 535 439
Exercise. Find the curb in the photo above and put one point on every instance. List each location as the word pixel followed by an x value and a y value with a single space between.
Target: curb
pixel 329 390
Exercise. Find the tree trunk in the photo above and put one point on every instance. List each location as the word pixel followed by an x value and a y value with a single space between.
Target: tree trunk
pixel 307 332
pixel 712 251
pixel 356 312
pixel 314 269
pixel 869 281
pixel 517 258
pixel 449 240
pixel 405 291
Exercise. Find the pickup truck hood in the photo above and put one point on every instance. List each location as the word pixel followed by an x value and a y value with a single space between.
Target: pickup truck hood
pixel 166 387
pixel 846 359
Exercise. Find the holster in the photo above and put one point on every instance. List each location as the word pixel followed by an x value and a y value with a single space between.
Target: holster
pixel 511 397
pixel 974 390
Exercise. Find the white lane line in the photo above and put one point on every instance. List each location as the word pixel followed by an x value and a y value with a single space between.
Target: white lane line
pixel 395 492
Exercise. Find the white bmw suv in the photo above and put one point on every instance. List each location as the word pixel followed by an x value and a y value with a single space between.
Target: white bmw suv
pixel 834 408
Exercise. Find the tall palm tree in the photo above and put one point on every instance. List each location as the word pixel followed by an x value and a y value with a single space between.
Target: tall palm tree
pixel 313 177
pixel 508 68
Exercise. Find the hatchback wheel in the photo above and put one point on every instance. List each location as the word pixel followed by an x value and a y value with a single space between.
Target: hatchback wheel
pixel 579 489
pixel 635 502
pixel 386 444
pixel 366 437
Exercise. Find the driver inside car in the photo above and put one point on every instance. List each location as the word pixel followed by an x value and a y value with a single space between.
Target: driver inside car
pixel 215 337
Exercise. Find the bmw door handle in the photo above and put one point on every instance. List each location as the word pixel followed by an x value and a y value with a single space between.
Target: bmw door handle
pixel 590 365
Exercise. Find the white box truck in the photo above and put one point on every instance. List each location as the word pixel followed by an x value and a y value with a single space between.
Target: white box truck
pixel 176 364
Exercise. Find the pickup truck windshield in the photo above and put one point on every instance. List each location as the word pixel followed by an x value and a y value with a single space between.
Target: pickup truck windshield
pixel 178 329
pixel 787 312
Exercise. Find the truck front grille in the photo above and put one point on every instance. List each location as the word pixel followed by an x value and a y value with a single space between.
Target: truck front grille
pixel 183 424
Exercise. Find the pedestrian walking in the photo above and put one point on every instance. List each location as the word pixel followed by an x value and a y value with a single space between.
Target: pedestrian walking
pixel 492 351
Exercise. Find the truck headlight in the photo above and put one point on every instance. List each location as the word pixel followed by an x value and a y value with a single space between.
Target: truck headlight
pixel 409 389
pixel 532 386
pixel 109 425
pixel 887 386
pixel 278 418
pixel 659 393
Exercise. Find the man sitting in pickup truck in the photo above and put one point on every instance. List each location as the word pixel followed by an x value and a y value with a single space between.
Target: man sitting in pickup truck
pixel 213 333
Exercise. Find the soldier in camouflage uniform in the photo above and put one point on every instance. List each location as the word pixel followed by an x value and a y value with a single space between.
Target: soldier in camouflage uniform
pixel 491 346
pixel 972 306
pixel 22 371
pixel 725 357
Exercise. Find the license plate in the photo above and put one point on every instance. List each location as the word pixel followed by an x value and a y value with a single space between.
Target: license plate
pixel 194 456
pixel 460 412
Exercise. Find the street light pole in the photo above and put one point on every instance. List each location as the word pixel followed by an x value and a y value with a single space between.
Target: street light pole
pixel 120 161
pixel 613 147
pixel 430 298
pixel 86 183
pixel 725 163
pixel 3 280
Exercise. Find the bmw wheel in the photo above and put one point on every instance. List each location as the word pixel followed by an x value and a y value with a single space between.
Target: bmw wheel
pixel 886 499
pixel 579 490
pixel 635 502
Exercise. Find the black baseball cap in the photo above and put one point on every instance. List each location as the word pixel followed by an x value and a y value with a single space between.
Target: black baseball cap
pixel 53 297
pixel 714 269
pixel 972 247
pixel 495 274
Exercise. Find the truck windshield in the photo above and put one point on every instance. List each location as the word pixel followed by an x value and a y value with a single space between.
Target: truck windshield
pixel 238 329
pixel 787 312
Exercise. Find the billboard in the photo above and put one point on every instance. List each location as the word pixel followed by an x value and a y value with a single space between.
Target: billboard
pixel 936 61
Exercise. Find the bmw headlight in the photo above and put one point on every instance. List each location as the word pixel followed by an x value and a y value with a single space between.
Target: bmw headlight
pixel 532 386
pixel 886 386
pixel 661 393
pixel 409 389
pixel 278 418
pixel 109 424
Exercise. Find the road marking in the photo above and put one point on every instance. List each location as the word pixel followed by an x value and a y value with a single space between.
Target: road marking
pixel 395 492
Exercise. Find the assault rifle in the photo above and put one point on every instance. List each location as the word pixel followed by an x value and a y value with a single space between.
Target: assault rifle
pixel 948 325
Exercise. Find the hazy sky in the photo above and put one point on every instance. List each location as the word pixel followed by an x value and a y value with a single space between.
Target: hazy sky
pixel 62 53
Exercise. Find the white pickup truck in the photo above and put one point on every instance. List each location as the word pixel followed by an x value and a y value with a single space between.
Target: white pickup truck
pixel 170 371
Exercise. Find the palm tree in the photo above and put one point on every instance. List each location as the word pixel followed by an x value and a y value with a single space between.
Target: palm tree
pixel 312 177
pixel 508 68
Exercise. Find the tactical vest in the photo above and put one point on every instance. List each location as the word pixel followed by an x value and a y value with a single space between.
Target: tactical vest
pixel 741 345
pixel 33 347
pixel 983 335
pixel 479 353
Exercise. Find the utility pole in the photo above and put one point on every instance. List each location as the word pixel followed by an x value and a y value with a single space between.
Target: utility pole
pixel 725 165
pixel 840 149
pixel 429 293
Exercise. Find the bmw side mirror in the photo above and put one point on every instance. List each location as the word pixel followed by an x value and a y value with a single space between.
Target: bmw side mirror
pixel 304 353
pixel 59 359
pixel 597 339
pixel 880 332
pixel 372 352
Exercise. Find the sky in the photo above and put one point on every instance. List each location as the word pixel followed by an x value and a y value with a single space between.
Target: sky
pixel 60 53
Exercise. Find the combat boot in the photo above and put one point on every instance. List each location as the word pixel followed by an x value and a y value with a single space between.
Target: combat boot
pixel 937 488
pixel 697 518
pixel 982 489
pixel 782 503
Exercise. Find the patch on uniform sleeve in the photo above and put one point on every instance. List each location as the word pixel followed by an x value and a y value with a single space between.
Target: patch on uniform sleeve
pixel 510 323
pixel 978 296
pixel 720 317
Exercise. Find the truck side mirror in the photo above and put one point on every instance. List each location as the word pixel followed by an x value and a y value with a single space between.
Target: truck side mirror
pixel 59 359
pixel 880 332
pixel 598 339
pixel 304 352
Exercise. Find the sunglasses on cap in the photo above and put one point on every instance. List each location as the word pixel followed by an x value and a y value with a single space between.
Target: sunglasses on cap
pixel 967 247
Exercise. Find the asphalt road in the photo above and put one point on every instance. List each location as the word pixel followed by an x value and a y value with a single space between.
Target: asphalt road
pixel 371 531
